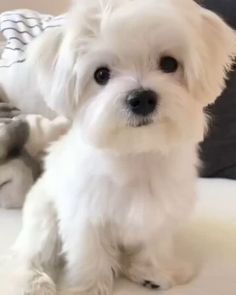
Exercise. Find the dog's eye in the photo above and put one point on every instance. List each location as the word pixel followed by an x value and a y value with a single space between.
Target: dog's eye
pixel 168 64
pixel 102 75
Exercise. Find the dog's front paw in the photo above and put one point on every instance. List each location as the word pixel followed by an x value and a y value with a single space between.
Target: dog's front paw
pixel 17 278
pixel 148 278
pixel 26 282
pixel 158 278
pixel 40 284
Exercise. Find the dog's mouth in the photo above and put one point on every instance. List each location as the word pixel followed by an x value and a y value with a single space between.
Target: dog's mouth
pixel 137 121
pixel 142 122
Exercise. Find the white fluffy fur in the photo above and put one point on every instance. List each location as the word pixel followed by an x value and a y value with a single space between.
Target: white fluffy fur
pixel 113 195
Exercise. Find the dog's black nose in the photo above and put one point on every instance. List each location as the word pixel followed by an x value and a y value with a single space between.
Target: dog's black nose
pixel 142 102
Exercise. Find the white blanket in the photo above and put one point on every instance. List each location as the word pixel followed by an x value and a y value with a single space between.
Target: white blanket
pixel 17 30
pixel 209 240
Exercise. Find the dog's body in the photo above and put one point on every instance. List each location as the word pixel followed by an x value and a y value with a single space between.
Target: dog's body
pixel 116 208
pixel 120 182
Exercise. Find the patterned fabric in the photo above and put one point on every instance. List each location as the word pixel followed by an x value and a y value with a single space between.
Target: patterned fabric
pixel 19 28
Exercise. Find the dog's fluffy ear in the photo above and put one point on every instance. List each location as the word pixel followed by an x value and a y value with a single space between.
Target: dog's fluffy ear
pixel 53 56
pixel 214 58
pixel 53 65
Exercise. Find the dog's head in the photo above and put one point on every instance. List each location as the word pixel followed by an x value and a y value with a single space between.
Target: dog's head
pixel 135 75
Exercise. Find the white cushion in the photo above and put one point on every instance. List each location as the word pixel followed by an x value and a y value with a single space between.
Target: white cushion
pixel 18 28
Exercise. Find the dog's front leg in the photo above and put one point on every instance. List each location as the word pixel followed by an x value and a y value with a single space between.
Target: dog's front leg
pixel 31 265
pixel 155 265
pixel 91 261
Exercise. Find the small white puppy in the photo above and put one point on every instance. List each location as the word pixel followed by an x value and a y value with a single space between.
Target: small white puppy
pixel 134 76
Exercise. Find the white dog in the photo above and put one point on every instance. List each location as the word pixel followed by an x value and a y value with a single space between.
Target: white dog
pixel 134 76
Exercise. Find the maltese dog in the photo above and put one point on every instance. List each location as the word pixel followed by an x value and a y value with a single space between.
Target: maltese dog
pixel 134 77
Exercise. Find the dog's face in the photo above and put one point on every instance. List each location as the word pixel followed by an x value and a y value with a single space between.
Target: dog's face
pixel 135 75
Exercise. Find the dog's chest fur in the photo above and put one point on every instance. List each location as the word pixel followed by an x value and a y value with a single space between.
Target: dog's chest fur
pixel 131 197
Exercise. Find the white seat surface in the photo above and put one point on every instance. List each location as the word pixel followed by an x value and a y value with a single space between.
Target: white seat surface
pixel 209 240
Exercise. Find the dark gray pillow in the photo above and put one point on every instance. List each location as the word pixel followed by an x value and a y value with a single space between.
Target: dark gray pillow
pixel 218 151
pixel 224 8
